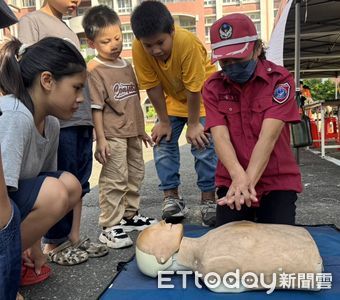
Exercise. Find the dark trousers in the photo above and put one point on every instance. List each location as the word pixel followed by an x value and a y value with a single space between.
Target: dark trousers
pixel 277 207
pixel 74 156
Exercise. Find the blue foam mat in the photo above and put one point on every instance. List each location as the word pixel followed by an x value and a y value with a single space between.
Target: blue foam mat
pixel 131 284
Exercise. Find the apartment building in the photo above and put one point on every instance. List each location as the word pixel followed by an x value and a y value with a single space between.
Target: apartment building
pixel 194 15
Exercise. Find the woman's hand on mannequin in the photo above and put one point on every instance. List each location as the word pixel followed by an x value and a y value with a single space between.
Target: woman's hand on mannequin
pixel 240 192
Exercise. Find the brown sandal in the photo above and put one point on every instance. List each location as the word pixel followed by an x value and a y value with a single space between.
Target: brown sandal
pixel 92 249
pixel 67 255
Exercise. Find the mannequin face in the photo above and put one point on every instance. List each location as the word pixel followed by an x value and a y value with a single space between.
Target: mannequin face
pixel 161 240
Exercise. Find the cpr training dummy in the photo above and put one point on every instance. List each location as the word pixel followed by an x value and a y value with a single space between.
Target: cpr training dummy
pixel 237 247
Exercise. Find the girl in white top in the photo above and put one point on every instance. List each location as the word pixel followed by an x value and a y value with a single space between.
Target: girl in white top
pixel 41 83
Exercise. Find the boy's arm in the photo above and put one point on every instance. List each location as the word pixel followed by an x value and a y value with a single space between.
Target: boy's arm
pixel 195 133
pixel 98 95
pixel 102 147
pixel 148 80
pixel 193 70
pixel 163 127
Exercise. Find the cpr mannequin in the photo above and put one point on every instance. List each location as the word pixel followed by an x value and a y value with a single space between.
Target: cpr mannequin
pixel 247 246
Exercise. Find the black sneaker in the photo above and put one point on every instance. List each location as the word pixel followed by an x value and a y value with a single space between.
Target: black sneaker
pixel 138 222
pixel 174 209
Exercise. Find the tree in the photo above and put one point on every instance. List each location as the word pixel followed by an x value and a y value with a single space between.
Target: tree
pixel 321 89
pixel 151 113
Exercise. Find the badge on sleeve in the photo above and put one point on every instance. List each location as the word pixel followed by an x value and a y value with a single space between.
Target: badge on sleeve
pixel 281 93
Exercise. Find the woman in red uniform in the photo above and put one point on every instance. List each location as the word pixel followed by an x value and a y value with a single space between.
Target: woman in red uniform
pixel 249 106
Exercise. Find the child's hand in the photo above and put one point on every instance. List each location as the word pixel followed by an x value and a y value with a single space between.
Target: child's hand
pixel 147 140
pixel 196 136
pixel 102 151
pixel 34 258
pixel 160 130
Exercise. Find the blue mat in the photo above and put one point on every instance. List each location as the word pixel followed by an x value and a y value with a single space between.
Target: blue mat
pixel 131 284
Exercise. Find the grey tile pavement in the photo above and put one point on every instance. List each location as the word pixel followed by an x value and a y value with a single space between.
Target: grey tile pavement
pixel 318 204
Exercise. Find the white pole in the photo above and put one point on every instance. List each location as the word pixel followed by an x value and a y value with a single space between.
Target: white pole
pixel 297 61
pixel 322 111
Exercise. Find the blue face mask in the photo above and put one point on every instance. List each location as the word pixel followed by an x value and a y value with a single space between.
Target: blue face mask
pixel 240 72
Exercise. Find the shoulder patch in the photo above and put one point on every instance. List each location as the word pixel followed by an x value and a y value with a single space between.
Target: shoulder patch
pixel 281 93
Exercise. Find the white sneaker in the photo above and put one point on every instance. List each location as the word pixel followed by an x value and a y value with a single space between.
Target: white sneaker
pixel 138 222
pixel 115 237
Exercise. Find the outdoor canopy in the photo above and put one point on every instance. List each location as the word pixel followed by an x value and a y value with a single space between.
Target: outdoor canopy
pixel 319 37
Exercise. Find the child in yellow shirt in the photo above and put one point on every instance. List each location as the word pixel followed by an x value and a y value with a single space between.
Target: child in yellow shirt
pixel 172 64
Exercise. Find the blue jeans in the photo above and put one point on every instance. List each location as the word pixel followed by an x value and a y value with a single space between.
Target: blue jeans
pixel 167 160
pixel 10 256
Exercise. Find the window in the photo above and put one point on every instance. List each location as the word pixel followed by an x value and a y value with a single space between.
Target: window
pixel 108 3
pixel 16 3
pixel 209 2
pixel 254 16
pixel 258 28
pixel 174 1
pixel 82 10
pixel 186 21
pixel 28 3
pixel 249 1
pixel 208 21
pixel 189 23
pixel 168 1
pixel 231 2
pixel 124 6
pixel 127 36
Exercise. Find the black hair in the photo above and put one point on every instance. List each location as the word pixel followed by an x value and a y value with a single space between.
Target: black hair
pixel 98 17
pixel 150 18
pixel 306 87
pixel 18 71
pixel 259 43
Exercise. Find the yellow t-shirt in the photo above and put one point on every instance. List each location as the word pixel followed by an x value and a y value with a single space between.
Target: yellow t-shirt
pixel 186 69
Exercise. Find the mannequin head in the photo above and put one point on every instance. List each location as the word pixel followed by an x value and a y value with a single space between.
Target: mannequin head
pixel 156 245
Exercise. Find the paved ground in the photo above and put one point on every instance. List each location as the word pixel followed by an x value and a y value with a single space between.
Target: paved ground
pixel 319 203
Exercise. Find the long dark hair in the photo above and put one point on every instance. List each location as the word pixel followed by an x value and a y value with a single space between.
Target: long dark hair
pixel 18 71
